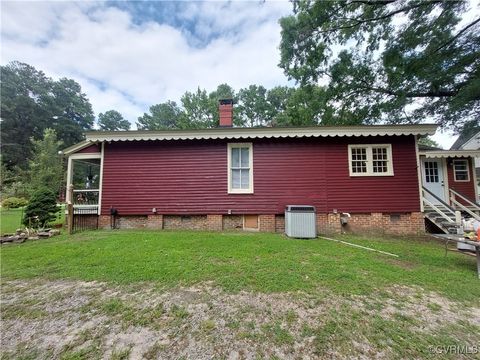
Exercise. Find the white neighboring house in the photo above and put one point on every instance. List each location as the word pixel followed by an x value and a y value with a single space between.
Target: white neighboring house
pixel 471 144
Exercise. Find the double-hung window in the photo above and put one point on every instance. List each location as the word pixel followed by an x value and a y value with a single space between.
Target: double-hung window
pixel 240 168
pixel 460 170
pixel 370 160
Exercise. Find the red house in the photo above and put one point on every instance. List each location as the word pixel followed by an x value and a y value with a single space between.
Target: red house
pixel 242 178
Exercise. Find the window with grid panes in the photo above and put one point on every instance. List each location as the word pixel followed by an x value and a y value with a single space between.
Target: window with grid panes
pixel 370 160
pixel 240 172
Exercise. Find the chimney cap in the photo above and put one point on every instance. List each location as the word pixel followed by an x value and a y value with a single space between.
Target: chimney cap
pixel 225 101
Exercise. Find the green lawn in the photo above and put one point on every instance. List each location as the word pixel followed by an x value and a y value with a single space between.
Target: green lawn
pixel 236 261
pixel 11 219
pixel 161 294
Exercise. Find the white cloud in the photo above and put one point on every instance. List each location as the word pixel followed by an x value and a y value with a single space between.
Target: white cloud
pixel 128 67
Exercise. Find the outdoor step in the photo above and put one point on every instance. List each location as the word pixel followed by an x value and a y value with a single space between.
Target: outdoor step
pixel 440 218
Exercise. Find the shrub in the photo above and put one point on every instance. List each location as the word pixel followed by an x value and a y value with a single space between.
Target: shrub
pixel 41 209
pixel 14 203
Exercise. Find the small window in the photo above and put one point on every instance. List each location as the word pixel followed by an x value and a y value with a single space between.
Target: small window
pixel 359 160
pixel 370 160
pixel 431 172
pixel 460 170
pixel 240 168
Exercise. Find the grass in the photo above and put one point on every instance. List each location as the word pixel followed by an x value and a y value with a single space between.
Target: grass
pixel 11 219
pixel 138 306
pixel 244 261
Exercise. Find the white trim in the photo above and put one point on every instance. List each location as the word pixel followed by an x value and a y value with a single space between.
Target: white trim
pixel 446 185
pixel 70 169
pixel 450 153
pixel 475 182
pixel 419 175
pixel 455 171
pixel 369 161
pixel 76 147
pixel 101 179
pixel 86 156
pixel 69 180
pixel 231 146
pixel 249 133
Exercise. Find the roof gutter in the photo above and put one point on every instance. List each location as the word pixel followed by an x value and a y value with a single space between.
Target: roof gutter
pixel 93 137
pixel 245 133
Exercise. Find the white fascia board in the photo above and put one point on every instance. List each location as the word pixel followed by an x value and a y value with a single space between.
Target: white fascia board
pixel 77 147
pixel 249 133
pixel 450 153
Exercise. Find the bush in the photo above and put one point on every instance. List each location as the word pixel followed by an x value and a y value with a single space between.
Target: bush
pixel 14 203
pixel 41 209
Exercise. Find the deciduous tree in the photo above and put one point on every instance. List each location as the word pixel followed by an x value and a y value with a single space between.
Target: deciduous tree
pixel 31 102
pixel 392 60
pixel 112 120
pixel 164 116
pixel 46 166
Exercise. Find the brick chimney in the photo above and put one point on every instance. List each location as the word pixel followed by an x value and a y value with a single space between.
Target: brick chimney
pixel 225 110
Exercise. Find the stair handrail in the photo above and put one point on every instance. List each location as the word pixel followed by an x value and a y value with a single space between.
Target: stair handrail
pixel 438 211
pixel 448 207
pixel 463 197
pixel 464 208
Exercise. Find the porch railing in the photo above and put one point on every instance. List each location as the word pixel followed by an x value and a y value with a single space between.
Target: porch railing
pixel 445 211
pixel 469 209
pixel 85 197
pixel 85 201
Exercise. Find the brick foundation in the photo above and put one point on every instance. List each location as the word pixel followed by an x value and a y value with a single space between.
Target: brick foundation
pixel 232 222
pixel 280 223
pixel 155 221
pixel 180 222
pixel 131 222
pixel 378 223
pixel 266 223
pixel 104 222
pixel 214 222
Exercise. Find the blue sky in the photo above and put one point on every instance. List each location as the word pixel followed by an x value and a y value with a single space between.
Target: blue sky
pixel 128 56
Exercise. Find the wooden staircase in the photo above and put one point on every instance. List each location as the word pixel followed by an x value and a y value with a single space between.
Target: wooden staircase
pixel 449 218
pixel 442 215
pixel 468 207
pixel 448 226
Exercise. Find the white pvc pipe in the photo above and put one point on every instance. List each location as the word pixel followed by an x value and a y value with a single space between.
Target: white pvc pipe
pixel 359 246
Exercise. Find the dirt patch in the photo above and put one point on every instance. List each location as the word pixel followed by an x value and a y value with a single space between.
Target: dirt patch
pixel 54 319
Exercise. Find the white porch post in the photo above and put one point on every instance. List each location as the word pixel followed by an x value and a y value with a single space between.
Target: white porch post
pixel 101 180
pixel 419 175
pixel 69 179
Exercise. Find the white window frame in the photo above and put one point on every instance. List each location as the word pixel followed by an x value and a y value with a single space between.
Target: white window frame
pixel 455 170
pixel 369 161
pixel 231 146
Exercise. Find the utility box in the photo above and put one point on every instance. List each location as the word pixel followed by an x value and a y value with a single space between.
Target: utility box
pixel 300 221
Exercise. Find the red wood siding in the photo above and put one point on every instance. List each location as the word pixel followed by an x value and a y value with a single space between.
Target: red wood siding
pixel 466 188
pixel 190 177
pixel 95 148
